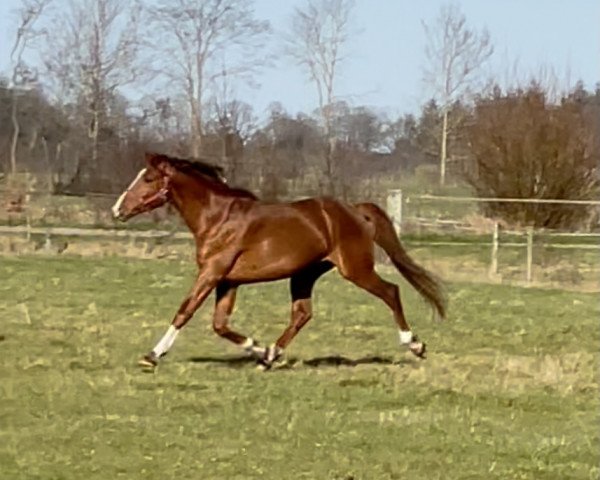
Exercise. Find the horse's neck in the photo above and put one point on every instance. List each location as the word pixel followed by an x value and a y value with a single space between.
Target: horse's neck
pixel 194 202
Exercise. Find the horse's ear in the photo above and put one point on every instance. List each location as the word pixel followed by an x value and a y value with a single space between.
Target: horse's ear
pixel 160 163
pixel 149 157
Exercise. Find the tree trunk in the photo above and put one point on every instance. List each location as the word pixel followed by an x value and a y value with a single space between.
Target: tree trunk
pixel 195 131
pixel 15 137
pixel 330 167
pixel 92 166
pixel 443 149
pixel 195 134
pixel 197 141
pixel 331 143
pixel 48 164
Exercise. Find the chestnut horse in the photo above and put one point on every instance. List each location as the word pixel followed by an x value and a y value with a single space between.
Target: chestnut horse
pixel 240 239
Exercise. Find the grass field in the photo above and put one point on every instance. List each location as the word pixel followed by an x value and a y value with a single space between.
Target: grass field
pixel 509 389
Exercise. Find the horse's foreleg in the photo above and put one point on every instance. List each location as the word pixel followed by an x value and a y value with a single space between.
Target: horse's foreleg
pixel 225 301
pixel 205 283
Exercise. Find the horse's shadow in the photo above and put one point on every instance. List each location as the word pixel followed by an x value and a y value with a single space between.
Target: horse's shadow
pixel 317 362
pixel 228 361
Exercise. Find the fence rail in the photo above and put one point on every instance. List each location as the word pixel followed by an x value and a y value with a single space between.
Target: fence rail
pixel 396 208
pixel 45 193
pixel 396 203
pixel 503 200
pixel 91 232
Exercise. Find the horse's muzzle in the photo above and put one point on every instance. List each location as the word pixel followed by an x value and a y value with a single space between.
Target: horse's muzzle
pixel 123 217
pixel 119 215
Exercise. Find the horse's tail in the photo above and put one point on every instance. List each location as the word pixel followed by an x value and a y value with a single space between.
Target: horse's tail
pixel 385 236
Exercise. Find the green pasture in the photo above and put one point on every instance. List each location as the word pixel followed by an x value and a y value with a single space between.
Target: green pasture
pixel 509 391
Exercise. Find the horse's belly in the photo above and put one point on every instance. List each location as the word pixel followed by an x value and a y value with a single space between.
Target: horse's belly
pixel 276 257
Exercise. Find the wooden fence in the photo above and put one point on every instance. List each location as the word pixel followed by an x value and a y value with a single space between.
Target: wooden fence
pixel 397 202
pixel 396 206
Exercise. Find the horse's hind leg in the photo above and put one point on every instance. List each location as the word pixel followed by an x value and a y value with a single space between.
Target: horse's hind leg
pixel 359 269
pixel 301 286
pixel 225 301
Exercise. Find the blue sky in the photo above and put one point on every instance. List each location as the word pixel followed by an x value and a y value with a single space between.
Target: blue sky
pixel 385 58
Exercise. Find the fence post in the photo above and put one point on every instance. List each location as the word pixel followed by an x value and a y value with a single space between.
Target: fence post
pixel 394 208
pixel 47 242
pixel 494 263
pixel 529 254
pixel 27 218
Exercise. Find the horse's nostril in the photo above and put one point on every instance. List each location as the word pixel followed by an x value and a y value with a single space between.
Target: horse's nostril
pixel 117 213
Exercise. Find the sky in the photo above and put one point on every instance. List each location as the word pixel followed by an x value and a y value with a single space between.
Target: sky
pixel 385 57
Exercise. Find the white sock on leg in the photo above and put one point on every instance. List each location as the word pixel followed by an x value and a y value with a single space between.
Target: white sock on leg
pixel 406 336
pixel 166 342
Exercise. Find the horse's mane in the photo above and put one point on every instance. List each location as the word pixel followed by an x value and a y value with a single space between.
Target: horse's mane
pixel 202 166
pixel 197 165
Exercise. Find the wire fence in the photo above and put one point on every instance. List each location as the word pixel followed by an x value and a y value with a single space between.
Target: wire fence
pixel 445 223
pixel 488 233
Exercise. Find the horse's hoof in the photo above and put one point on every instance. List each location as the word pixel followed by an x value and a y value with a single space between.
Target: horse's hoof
pixel 419 349
pixel 271 355
pixel 148 361
pixel 263 366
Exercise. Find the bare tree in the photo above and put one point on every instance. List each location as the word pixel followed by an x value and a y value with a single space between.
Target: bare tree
pixel 233 121
pixel 228 113
pixel 319 33
pixel 194 36
pixel 23 76
pixel 454 54
pixel 94 50
pixel 161 118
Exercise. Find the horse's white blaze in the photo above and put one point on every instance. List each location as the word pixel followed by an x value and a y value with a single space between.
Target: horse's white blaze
pixel 166 342
pixel 117 206
pixel 406 336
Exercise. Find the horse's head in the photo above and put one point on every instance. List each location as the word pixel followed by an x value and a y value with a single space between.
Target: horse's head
pixel 149 189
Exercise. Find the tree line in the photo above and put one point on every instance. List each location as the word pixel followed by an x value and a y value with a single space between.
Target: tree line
pixel 69 117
